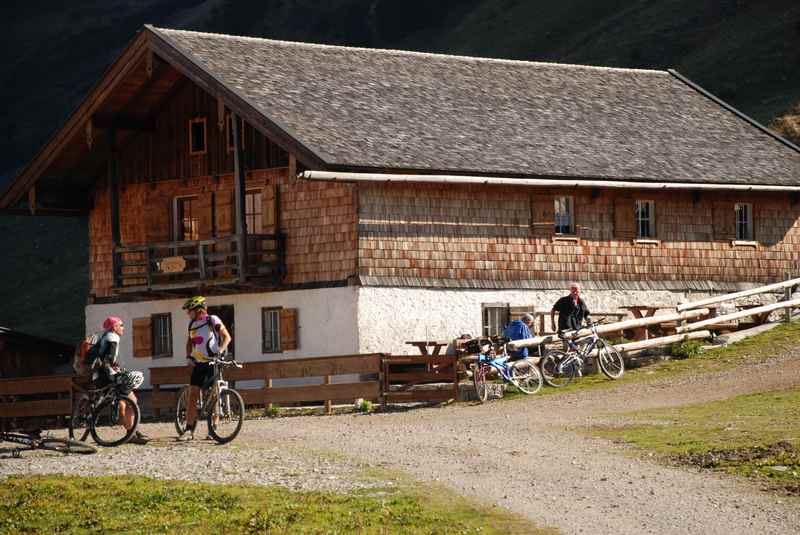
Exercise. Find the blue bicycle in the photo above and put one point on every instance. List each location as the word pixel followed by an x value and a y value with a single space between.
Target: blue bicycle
pixel 492 357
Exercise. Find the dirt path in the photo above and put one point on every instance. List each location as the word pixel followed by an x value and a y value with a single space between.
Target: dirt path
pixel 529 455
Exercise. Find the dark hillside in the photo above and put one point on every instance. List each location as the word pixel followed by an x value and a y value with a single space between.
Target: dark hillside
pixel 747 52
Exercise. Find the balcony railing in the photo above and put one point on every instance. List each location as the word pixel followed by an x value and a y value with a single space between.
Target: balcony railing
pixel 191 264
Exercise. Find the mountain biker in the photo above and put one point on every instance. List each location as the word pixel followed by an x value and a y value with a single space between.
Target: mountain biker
pixel 519 330
pixel 572 310
pixel 208 337
pixel 107 371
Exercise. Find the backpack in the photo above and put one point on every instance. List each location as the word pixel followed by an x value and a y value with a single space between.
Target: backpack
pixel 86 354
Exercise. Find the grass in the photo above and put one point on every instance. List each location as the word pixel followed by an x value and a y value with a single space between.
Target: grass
pixel 759 348
pixel 747 435
pixel 50 504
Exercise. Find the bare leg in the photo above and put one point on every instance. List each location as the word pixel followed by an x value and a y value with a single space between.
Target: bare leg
pixel 127 414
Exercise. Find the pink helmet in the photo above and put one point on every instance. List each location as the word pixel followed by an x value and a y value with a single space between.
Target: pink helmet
pixel 110 322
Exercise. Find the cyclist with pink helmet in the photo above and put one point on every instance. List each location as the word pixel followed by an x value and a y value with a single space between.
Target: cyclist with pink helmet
pixel 108 371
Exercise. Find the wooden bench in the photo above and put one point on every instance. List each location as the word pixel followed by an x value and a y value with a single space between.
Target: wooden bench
pixel 40 396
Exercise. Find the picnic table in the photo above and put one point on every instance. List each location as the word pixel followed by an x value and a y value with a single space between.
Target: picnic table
pixel 425 344
pixel 758 319
pixel 641 312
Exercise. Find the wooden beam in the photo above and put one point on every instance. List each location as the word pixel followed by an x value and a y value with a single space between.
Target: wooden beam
pixel 611 327
pixel 54 212
pixel 730 297
pixel 239 177
pixel 740 314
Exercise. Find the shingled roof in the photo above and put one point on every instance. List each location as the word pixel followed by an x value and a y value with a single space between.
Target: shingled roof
pixel 356 107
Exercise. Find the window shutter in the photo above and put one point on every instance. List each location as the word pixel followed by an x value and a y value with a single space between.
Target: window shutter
pixel 224 212
pixel 724 214
pixel 270 209
pixel 624 219
pixel 288 327
pixel 204 213
pixel 543 216
pixel 142 337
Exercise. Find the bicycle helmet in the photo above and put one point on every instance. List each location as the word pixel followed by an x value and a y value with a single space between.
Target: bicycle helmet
pixel 130 380
pixel 110 322
pixel 195 303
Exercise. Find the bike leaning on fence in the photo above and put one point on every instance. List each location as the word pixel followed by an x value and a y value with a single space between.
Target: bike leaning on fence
pixel 559 367
pixel 99 411
pixel 521 373
pixel 32 441
pixel 220 405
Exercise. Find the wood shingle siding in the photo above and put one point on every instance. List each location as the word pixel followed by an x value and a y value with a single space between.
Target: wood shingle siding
pixel 495 242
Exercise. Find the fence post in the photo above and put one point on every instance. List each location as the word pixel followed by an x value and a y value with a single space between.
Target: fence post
pixel 328 404
pixel 267 385
pixel 787 312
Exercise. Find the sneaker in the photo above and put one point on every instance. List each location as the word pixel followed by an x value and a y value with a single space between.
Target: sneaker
pixel 139 438
pixel 188 433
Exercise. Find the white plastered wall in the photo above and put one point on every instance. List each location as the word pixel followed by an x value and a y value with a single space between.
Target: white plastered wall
pixel 388 317
pixel 326 324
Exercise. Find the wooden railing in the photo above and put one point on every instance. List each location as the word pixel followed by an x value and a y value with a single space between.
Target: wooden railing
pixel 186 264
pixel 35 396
pixel 325 369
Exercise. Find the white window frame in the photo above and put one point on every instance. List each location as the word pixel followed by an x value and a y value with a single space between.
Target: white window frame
pixel 564 215
pixel 494 317
pixel 744 228
pixel 650 220
pixel 162 338
pixel 274 329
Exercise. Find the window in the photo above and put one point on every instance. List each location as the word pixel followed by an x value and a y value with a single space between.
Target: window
pixel 253 211
pixel 197 136
pixel 187 226
pixel 495 318
pixel 563 215
pixel 162 335
pixel 645 219
pixel 229 130
pixel 271 330
pixel 744 221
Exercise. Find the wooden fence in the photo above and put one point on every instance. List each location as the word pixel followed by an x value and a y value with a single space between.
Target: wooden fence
pixel 323 368
pixel 26 397
pixel 402 376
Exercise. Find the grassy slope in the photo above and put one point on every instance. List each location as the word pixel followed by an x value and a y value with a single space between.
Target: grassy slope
pixel 733 435
pixel 138 505
pixel 54 53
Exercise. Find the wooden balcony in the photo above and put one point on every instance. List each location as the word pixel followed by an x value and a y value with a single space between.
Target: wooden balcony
pixel 203 263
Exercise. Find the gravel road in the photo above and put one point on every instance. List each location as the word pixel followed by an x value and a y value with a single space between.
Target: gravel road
pixel 529 455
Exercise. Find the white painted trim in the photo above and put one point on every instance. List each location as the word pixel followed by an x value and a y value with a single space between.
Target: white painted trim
pixel 566 238
pixel 646 241
pixel 508 181
pixel 744 243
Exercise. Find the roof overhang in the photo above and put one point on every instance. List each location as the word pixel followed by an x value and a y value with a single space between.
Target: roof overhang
pixel 334 176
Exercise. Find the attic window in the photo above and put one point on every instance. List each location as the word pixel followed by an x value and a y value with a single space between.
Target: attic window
pixel 197 136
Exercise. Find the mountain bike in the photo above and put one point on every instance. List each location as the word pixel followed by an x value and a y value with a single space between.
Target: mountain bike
pixel 493 356
pixel 221 406
pixel 559 367
pixel 99 411
pixel 33 441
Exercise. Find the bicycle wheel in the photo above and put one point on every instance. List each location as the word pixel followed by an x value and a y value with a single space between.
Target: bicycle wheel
pixel 557 368
pixel 80 421
pixel 526 377
pixel 479 379
pixel 609 360
pixel 108 428
pixel 180 410
pixel 67 446
pixel 225 417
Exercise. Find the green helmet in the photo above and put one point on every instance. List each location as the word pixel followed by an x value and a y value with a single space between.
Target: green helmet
pixel 194 303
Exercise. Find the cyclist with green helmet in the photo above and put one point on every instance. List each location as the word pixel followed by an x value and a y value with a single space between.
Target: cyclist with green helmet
pixel 208 337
